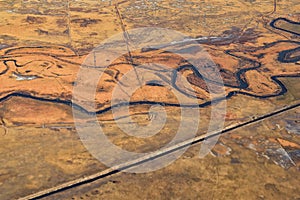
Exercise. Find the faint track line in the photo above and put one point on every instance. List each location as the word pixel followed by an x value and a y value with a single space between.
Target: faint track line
pixel 127 39
pixel 151 156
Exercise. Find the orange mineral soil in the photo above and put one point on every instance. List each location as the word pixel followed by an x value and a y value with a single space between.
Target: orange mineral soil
pixel 244 53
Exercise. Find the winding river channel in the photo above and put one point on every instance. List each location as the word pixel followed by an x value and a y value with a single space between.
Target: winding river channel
pixel 286 56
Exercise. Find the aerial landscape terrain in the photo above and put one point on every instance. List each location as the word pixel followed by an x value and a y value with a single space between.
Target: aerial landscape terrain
pixel 195 99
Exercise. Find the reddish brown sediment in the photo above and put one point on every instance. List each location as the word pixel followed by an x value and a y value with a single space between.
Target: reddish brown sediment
pixel 44 44
pixel 52 71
